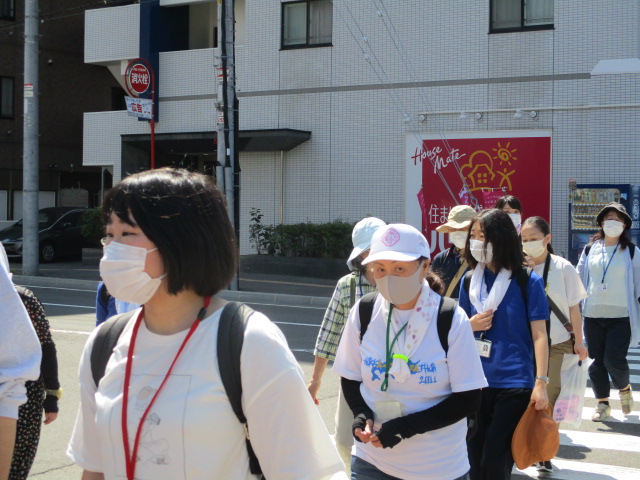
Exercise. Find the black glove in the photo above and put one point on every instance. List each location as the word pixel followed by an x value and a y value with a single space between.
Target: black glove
pixel 359 421
pixel 50 404
pixel 392 432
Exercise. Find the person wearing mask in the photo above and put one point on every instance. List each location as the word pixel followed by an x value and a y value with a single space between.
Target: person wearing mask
pixel 409 390
pixel 349 289
pixel 42 395
pixel 160 410
pixel 20 356
pixel 507 310
pixel 610 271
pixel 450 264
pixel 512 206
pixel 564 294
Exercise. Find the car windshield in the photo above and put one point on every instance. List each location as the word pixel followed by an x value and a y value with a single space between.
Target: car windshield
pixel 46 218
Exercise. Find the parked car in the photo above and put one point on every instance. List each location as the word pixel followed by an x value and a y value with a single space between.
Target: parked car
pixel 59 234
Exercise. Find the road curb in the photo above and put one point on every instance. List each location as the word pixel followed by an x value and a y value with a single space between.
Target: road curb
pixel 237 296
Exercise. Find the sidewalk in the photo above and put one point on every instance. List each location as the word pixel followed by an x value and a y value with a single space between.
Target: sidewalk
pixel 254 287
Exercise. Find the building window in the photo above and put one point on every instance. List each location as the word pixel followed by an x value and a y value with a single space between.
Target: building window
pixel 8 9
pixel 6 97
pixel 517 15
pixel 307 24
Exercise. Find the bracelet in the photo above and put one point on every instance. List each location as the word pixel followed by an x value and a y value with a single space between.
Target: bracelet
pixel 544 379
pixel 54 393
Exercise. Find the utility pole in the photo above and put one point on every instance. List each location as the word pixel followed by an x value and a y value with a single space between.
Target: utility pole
pixel 226 28
pixel 221 148
pixel 30 148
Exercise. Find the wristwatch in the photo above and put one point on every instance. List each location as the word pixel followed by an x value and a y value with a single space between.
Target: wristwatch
pixel 54 393
pixel 544 379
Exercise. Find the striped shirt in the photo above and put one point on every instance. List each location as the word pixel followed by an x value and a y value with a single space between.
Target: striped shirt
pixel 338 311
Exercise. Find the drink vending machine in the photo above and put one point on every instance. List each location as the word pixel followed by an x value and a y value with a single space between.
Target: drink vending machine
pixel 586 201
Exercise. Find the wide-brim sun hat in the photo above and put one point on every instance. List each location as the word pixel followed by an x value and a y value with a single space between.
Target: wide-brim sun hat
pixel 618 208
pixel 361 236
pixel 460 216
pixel 398 242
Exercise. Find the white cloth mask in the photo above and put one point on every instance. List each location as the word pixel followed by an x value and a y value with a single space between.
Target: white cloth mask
pixel 400 290
pixel 613 228
pixel 534 248
pixel 122 270
pixel 516 218
pixel 481 253
pixel 459 239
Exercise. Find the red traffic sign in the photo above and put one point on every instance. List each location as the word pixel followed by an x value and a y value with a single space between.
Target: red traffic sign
pixel 137 78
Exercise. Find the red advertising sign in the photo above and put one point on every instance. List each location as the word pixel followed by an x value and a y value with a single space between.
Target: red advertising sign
pixel 493 164
pixel 137 78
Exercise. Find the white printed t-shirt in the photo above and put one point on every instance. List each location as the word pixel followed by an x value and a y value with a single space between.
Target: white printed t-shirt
pixel 440 454
pixel 565 289
pixel 191 431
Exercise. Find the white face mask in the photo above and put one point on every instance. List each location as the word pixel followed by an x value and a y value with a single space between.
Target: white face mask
pixel 534 248
pixel 459 239
pixel 400 290
pixel 613 228
pixel 479 252
pixel 516 218
pixel 122 270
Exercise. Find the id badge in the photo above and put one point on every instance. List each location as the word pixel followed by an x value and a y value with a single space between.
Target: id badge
pixel 387 410
pixel 484 347
pixel 601 288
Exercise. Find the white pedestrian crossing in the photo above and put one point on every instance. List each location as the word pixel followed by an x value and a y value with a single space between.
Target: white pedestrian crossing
pixel 572 470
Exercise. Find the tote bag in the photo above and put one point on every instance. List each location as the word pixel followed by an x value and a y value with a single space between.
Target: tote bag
pixel 573 377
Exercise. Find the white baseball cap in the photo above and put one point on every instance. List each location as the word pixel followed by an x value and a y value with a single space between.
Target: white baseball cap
pixel 398 242
pixel 361 236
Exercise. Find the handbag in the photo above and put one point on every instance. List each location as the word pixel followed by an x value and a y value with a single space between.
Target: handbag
pixel 573 378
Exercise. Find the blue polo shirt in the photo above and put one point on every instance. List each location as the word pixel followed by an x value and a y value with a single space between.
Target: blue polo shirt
pixel 511 362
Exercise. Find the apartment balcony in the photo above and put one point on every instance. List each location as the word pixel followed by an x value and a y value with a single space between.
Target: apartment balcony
pixel 112 35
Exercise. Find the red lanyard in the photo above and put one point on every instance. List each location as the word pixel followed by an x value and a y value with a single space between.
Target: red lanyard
pixel 130 459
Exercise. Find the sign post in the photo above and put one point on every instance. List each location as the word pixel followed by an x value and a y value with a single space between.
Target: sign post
pixel 139 78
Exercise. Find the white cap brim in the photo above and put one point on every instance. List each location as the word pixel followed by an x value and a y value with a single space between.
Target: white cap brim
pixel 393 256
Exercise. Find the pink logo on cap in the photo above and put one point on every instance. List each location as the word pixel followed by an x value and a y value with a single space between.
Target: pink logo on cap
pixel 391 237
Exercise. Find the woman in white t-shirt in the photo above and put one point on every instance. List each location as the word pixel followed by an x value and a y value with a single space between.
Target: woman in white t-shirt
pixel 564 294
pixel 610 271
pixel 160 411
pixel 409 397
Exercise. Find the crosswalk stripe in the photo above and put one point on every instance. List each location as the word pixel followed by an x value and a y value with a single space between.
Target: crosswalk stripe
pixel 634 419
pixel 592 440
pixel 588 393
pixel 571 470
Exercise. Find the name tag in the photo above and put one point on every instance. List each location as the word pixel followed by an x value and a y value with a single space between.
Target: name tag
pixel 484 347
pixel 386 411
pixel 601 288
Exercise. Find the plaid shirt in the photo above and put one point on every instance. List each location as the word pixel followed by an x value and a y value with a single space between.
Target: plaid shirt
pixel 338 312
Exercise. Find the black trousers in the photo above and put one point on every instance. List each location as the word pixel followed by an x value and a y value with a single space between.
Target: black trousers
pixel 490 448
pixel 608 342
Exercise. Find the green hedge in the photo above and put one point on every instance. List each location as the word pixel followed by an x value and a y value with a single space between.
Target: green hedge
pixel 92 229
pixel 320 240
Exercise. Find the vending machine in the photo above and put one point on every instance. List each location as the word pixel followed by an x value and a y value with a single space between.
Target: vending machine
pixel 586 201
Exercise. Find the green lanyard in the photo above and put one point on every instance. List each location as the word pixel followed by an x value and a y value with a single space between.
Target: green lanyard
pixel 385 383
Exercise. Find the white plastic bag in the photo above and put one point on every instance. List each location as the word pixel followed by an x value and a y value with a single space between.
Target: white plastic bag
pixel 568 407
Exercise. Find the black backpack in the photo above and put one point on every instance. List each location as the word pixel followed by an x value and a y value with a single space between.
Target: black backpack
pixel 233 322
pixel 445 317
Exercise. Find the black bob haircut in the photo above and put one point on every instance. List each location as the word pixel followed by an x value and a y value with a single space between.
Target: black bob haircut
pixel 499 231
pixel 510 201
pixel 184 215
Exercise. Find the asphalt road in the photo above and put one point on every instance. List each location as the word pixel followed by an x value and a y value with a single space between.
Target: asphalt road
pixel 596 451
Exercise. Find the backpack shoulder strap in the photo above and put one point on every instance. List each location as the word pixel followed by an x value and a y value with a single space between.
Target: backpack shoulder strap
pixel 522 277
pixel 365 310
pixel 106 339
pixel 233 322
pixel 587 248
pixel 445 319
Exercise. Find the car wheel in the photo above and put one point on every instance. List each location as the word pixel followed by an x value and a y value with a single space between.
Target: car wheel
pixel 47 253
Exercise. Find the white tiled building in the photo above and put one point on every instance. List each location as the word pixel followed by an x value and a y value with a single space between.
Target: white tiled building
pixel 432 57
